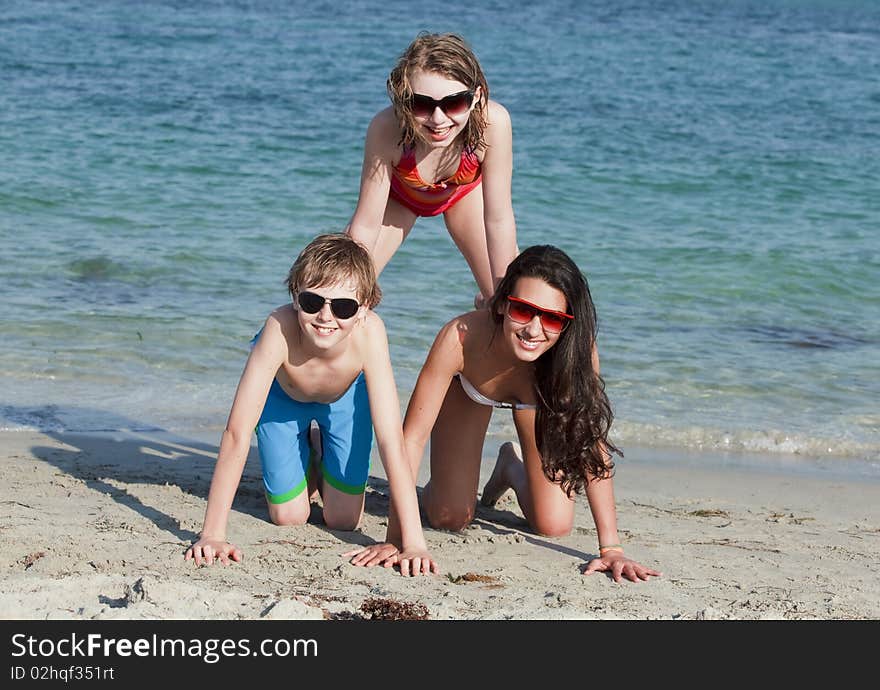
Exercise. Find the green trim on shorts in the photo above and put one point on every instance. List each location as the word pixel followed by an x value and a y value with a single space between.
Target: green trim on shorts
pixel 343 487
pixel 288 495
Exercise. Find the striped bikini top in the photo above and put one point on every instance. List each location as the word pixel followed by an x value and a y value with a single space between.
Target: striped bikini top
pixel 427 198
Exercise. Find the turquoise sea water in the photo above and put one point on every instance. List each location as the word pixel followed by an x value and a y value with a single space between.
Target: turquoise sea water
pixel 714 167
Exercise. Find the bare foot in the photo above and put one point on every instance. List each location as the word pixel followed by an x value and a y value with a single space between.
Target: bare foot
pixel 498 482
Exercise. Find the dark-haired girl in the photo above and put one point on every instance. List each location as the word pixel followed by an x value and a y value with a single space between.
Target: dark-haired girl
pixel 533 352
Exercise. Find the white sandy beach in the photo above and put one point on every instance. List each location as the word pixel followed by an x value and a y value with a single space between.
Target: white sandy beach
pixel 95 527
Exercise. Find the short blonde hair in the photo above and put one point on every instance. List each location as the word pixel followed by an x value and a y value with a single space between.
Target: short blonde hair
pixel 335 258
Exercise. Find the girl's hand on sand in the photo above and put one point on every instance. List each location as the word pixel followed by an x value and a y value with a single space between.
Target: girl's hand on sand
pixel 375 554
pixel 206 551
pixel 416 562
pixel 620 567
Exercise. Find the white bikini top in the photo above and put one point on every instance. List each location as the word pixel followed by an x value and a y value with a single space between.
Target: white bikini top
pixel 481 399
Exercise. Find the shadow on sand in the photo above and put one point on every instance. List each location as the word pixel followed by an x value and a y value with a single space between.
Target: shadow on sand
pixel 125 452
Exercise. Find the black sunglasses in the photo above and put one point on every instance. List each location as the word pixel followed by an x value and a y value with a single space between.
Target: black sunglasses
pixel 453 105
pixel 342 307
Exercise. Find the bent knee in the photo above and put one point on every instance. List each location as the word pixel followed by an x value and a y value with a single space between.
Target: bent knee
pixel 345 514
pixel 290 514
pixel 553 527
pixel 341 521
pixel 453 519
pixel 342 511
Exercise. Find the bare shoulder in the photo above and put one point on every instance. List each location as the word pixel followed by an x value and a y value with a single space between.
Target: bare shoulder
pixel 370 336
pixel 461 333
pixel 369 348
pixel 280 321
pixel 276 334
pixel 385 118
pixel 384 130
pixel 498 134
pixel 497 117
pixel 373 325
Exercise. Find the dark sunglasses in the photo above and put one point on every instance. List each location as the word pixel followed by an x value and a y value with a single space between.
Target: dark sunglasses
pixel 521 311
pixel 342 307
pixel 453 105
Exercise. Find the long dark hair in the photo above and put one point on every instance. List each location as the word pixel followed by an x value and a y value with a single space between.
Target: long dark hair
pixel 573 414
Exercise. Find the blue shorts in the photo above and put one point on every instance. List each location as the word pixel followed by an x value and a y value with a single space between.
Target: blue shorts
pixel 346 440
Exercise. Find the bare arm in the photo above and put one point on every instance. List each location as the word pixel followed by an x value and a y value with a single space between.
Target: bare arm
pixel 250 397
pixel 385 410
pixel 600 494
pixel 444 360
pixel 497 205
pixel 379 149
pixel 551 512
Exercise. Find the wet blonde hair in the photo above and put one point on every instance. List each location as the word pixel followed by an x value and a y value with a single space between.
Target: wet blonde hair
pixel 445 54
pixel 335 258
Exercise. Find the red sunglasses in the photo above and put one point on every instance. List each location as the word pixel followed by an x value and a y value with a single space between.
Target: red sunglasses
pixel 521 311
pixel 453 105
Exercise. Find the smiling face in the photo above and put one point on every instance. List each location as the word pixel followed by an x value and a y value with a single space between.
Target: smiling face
pixel 323 329
pixel 529 341
pixel 440 128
